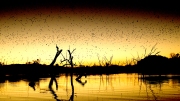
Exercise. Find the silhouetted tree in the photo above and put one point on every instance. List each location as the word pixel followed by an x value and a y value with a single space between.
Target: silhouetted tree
pixel 173 55
pixel 153 64
pixel 175 61
pixel 152 52
pixel 53 78
pixel 70 60
pixel 28 62
pixel 36 61
pixel 56 56
pixel 1 63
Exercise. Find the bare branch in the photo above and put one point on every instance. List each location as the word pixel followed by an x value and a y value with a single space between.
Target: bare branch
pixel 157 53
pixel 56 56
pixel 110 60
pixel 73 50
pixel 63 56
pixel 70 60
pixel 57 48
pixel 152 50
pixel 144 51
pixel 99 59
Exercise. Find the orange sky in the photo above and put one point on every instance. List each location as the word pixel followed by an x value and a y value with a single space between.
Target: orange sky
pixel 32 33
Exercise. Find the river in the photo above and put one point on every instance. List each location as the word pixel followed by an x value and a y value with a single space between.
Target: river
pixel 113 87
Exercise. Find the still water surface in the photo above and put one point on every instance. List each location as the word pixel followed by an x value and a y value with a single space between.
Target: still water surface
pixel 114 87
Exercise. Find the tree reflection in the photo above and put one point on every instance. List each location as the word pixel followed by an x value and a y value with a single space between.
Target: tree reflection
pixel 78 79
pixel 32 84
pixel 72 87
pixel 53 78
pixel 54 93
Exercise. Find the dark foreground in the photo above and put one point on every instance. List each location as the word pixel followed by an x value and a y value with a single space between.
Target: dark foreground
pixel 37 70
pixel 33 72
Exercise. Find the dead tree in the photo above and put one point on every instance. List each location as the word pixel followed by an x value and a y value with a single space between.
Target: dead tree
pixel 56 56
pixel 53 78
pixel 70 60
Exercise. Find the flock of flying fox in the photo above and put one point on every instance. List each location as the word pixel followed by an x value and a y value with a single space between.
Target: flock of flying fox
pixel 163 28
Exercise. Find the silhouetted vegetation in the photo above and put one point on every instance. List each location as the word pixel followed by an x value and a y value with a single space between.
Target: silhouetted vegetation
pixel 34 62
pixel 1 63
pixel 153 64
pixel 150 63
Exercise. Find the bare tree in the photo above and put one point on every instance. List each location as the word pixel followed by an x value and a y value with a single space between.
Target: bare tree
pixel 56 56
pixel 70 60
pixel 152 52
pixel 173 55
pixel 53 78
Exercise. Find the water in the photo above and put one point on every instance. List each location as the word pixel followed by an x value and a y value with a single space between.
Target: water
pixel 115 87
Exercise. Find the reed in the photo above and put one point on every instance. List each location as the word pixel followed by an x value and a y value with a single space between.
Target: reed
pixel 105 62
pixel 139 58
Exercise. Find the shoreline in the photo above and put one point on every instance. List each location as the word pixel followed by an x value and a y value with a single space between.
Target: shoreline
pixel 37 69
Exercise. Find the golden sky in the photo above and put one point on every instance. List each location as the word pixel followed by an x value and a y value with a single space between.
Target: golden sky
pixel 29 33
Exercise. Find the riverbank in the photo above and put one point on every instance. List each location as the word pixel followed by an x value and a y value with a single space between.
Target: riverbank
pixel 37 69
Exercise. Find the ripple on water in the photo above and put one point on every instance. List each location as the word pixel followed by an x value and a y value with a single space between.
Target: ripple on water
pixel 117 87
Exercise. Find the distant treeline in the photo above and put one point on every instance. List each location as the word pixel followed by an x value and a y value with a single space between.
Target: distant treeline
pixel 149 64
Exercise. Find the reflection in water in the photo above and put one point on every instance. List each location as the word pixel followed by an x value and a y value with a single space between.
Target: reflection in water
pixel 32 84
pixel 156 79
pixel 119 87
pixel 78 79
pixel 82 83
pixel 54 93
pixel 72 87
pixel 53 78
